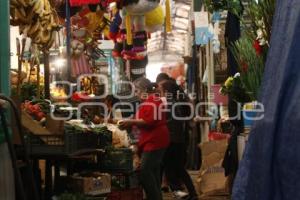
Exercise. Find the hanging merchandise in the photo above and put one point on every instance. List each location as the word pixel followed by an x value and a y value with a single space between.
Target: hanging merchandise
pixel 132 24
pixel 216 16
pixel 36 20
pixel 138 68
pixel 215 40
pixel 80 66
pixel 202 33
pixel 83 2
pixel 154 19
pixel 135 20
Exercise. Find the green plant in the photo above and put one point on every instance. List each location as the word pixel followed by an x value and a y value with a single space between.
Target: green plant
pixel 251 66
pixel 235 89
pixel 219 5
pixel 28 91
pixel 250 51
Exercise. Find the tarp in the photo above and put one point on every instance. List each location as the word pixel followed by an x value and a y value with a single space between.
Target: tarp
pixel 270 169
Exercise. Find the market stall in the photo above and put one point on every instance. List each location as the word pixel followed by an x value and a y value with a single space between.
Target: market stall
pixel 70 56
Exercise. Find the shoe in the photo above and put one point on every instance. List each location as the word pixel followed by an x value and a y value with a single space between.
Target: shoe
pixel 165 189
pixel 179 194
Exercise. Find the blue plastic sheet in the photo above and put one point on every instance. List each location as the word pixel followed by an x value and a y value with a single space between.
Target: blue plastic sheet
pixel 270 169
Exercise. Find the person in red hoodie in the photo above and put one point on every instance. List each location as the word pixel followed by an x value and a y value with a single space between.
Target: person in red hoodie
pixel 153 138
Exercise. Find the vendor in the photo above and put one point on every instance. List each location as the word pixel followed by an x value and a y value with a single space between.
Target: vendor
pixel 153 137
pixel 112 111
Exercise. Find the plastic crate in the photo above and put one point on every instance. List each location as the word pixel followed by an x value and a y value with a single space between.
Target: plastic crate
pixel 65 144
pixel 117 160
pixel 125 181
pixel 130 194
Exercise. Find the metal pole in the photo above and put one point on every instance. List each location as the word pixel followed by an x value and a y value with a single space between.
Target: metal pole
pixel 68 40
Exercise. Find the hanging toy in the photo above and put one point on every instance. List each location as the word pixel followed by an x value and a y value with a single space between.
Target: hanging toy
pixel 136 12
pixel 154 19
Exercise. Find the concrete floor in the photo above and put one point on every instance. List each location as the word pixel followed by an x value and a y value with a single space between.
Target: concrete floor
pixel 194 176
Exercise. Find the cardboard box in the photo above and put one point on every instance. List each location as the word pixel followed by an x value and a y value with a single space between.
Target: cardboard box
pixel 94 184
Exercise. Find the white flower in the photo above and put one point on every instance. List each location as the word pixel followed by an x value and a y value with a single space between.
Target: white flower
pixel 237 75
pixel 260 37
pixel 259 33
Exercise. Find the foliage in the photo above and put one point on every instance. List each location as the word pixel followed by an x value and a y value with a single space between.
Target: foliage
pixel 251 66
pixel 251 50
pixel 219 5
pixel 234 87
pixel 28 91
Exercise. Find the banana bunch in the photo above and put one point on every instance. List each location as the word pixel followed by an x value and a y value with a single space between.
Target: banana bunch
pixel 36 19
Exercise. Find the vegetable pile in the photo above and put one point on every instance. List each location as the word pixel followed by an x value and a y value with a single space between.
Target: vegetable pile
pixel 38 109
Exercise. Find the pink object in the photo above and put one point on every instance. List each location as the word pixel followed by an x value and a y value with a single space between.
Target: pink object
pixel 218 98
pixel 83 2
pixel 213 136
pixel 80 66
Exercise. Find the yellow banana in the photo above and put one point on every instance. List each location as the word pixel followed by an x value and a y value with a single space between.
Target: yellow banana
pixel 20 14
pixel 38 7
pixel 45 37
pixel 34 28
pixel 22 3
pixel 14 3
pixel 51 41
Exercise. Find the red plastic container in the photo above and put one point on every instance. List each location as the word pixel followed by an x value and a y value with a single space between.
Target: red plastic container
pixel 212 136
pixel 129 194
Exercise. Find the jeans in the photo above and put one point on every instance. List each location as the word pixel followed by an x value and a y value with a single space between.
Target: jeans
pixel 174 166
pixel 150 173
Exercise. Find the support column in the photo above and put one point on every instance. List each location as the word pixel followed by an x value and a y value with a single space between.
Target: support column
pixel 6 173
pixel 4 48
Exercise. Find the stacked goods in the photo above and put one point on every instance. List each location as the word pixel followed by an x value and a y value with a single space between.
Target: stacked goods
pixel 91 184
pixel 212 181
pixel 117 160
pixel 36 19
pixel 124 181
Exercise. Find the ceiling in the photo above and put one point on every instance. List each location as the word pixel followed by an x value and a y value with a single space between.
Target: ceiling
pixel 172 43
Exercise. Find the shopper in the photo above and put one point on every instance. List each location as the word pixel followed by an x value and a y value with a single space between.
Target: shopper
pixel 153 138
pixel 175 168
pixel 111 113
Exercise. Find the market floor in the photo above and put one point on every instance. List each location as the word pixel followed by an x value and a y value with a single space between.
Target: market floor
pixel 194 176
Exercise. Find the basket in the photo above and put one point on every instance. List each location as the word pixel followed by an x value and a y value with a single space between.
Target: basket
pixel 117 160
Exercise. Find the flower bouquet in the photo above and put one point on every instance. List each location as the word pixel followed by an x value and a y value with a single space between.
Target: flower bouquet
pixel 234 87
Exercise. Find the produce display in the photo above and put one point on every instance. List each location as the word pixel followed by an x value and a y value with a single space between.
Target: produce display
pixel 38 109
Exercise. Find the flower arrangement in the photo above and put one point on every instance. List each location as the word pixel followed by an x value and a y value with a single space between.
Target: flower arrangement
pixel 234 88
pixel 250 52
